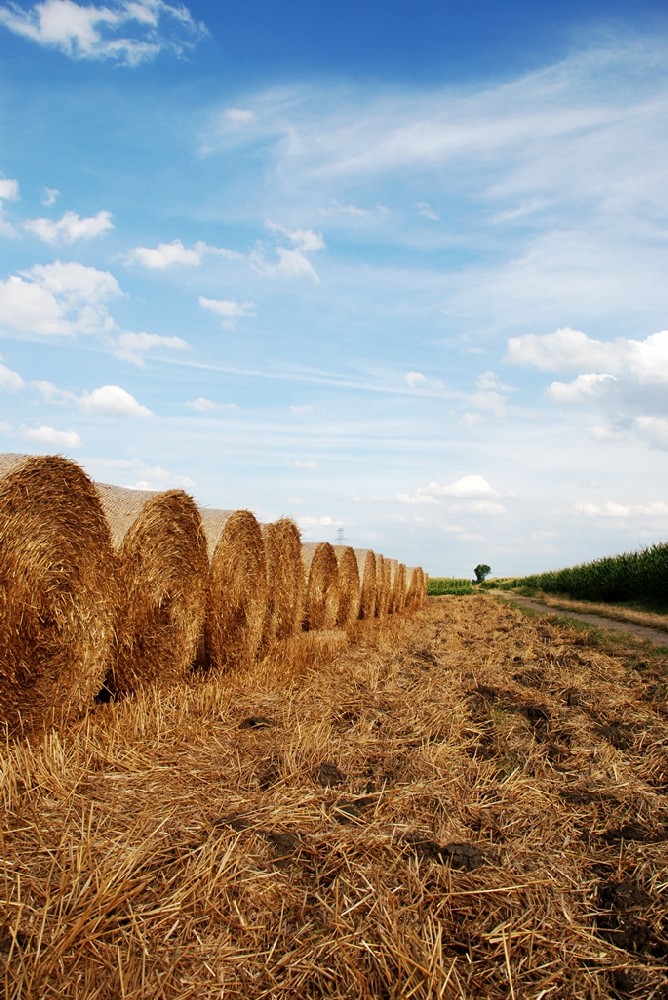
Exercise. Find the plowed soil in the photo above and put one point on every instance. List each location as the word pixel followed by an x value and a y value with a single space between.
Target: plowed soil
pixel 465 803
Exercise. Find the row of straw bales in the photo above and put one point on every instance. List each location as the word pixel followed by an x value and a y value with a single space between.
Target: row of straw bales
pixel 105 588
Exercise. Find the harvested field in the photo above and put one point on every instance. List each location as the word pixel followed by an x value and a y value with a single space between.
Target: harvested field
pixel 460 803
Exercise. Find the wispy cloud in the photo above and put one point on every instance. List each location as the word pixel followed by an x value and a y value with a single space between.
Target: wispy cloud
pixel 133 347
pixel 128 32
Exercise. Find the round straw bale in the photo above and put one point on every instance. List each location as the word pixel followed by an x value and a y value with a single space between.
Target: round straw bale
pixel 285 581
pixel 366 566
pixel 237 599
pixel 162 572
pixel 415 587
pixel 391 596
pixel 399 587
pixel 321 574
pixel 383 576
pixel 349 585
pixel 56 596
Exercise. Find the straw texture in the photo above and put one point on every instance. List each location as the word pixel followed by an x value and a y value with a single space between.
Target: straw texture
pixel 56 611
pixel 349 585
pixel 366 566
pixel 285 581
pixel 399 587
pixel 383 575
pixel 237 594
pixel 321 574
pixel 161 568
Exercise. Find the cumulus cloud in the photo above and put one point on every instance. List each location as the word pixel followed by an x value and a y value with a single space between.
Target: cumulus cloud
pixel 51 436
pixel 473 487
pixel 566 350
pixel 227 309
pixel 70 227
pixel 112 401
pixel 293 261
pixel 9 379
pixel 653 429
pixel 128 32
pixel 133 346
pixel 166 254
pixel 60 298
pixel 582 389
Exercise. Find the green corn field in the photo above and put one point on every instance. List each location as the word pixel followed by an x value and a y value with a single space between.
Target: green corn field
pixel 633 577
pixel 439 585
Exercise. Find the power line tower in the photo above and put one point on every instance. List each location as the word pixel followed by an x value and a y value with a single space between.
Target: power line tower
pixel 340 537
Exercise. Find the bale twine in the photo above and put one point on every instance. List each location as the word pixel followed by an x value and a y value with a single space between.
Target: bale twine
pixel 366 566
pixel 321 575
pixel 161 567
pixel 56 598
pixel 349 585
pixel 237 592
pixel 285 581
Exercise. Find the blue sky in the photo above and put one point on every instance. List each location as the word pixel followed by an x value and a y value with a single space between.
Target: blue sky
pixel 399 270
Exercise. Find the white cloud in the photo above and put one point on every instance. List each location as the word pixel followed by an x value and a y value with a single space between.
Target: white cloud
pixel 203 405
pixel 125 31
pixel 474 487
pixel 426 211
pixel 135 474
pixel 51 436
pixel 9 379
pixel 167 254
pixel 59 298
pixel 416 380
pixel 645 361
pixel 582 389
pixel 613 509
pixel 237 116
pixel 304 464
pixel 302 411
pixel 227 309
pixel 653 429
pixel 293 261
pixel 9 189
pixel 113 401
pixel 70 227
pixel 50 196
pixel 132 346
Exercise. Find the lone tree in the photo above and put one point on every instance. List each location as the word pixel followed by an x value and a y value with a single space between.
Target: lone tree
pixel 481 571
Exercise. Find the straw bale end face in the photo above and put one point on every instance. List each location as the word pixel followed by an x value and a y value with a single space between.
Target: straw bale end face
pixel 162 568
pixel 237 593
pixel 57 598
pixel 322 591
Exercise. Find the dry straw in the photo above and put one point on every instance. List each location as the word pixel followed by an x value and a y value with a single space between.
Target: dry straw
pixel 399 587
pixel 56 610
pixel 285 581
pixel 237 595
pixel 162 571
pixel 349 585
pixel 321 574
pixel 383 577
pixel 416 587
pixel 366 565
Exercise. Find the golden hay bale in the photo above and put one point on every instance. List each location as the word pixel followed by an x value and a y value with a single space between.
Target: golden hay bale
pixel 161 568
pixel 285 581
pixel 349 585
pixel 399 587
pixel 414 584
pixel 383 579
pixel 321 575
pixel 366 566
pixel 391 596
pixel 56 598
pixel 237 598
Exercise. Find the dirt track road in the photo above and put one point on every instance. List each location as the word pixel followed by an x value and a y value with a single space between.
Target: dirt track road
pixel 653 635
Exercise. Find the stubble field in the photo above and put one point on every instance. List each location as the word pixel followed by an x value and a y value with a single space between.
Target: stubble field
pixel 463 802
